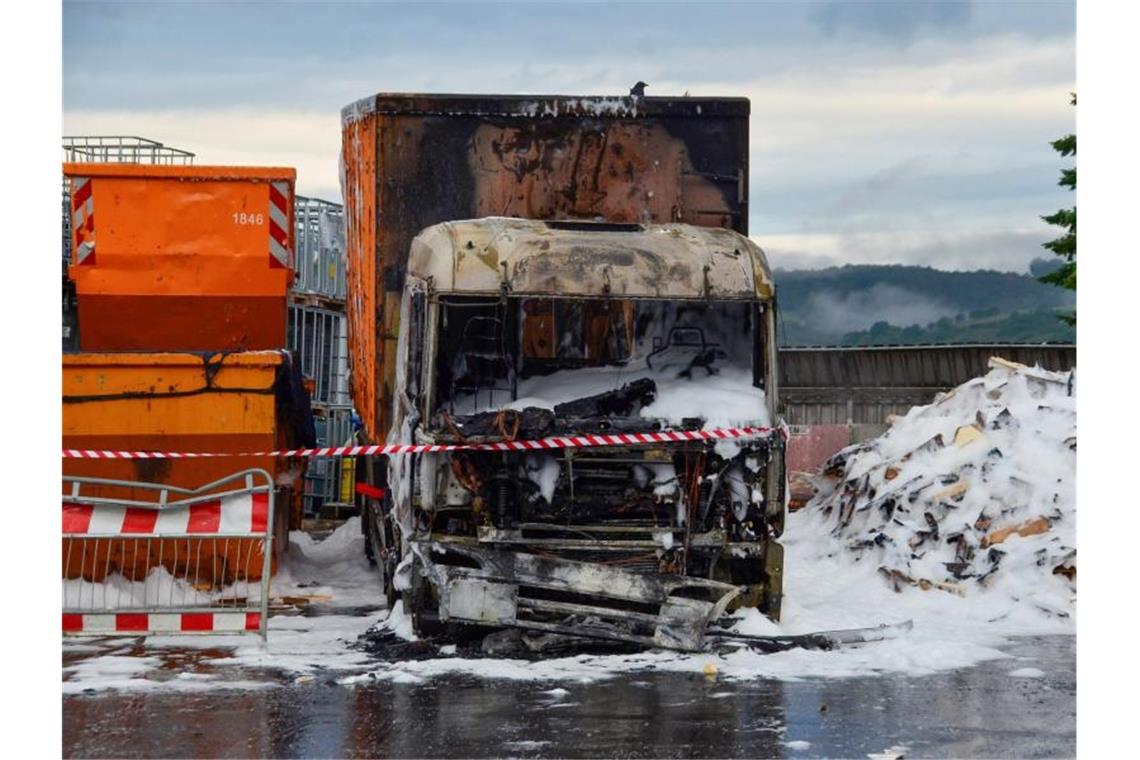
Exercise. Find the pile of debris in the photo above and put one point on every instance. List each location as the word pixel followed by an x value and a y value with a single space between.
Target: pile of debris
pixel 980 484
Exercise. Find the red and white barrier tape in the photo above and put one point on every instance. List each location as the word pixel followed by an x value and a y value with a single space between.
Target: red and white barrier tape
pixel 556 442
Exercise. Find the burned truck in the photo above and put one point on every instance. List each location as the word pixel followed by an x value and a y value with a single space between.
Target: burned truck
pixel 558 334
pixel 605 286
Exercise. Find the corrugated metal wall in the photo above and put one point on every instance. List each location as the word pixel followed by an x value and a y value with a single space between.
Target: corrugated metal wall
pixel 835 386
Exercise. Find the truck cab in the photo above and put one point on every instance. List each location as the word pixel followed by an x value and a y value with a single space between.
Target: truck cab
pixel 523 344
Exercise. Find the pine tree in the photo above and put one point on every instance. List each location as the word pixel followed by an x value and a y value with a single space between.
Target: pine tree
pixel 1066 245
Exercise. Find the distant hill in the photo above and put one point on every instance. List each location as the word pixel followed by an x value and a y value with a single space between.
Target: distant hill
pixel 863 305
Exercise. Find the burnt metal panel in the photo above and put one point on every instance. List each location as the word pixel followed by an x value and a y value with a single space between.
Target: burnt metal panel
pixel 564 259
pixel 411 161
pixel 541 106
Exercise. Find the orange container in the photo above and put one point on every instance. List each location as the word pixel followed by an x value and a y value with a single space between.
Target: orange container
pixel 181 258
pixel 183 402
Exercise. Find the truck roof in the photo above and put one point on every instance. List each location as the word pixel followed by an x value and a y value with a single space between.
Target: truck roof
pixel 543 106
pixel 590 259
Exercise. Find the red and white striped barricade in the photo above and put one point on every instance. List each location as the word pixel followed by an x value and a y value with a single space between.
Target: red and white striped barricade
pixel 175 561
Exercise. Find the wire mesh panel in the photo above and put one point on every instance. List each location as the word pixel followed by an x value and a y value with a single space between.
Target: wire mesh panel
pixel 318 338
pixel 320 248
pixel 330 480
pixel 174 561
pixel 319 341
pixel 122 149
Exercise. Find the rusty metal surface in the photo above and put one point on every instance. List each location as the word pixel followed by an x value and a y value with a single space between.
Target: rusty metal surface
pixel 673 261
pixel 362 290
pixel 541 106
pixel 411 161
pixel 809 446
pixel 686 509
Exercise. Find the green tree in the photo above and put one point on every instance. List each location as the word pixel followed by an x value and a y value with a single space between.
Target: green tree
pixel 1066 245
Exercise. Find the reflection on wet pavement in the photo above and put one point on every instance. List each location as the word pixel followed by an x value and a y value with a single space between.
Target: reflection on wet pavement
pixel 978 711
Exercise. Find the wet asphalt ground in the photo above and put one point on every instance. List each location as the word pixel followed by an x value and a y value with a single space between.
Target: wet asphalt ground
pixel 974 712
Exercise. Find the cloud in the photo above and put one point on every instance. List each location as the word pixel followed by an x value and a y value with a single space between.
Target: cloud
pixel 840 313
pixel 873 189
pixel 894 19
pixel 308 141
pixel 1003 250
pixel 841 124
pixel 859 148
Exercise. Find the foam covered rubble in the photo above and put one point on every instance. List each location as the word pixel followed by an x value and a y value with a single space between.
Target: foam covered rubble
pixel 973 492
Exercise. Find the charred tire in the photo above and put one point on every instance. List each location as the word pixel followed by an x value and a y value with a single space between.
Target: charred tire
pixel 380 545
pixel 367 526
pixel 423 605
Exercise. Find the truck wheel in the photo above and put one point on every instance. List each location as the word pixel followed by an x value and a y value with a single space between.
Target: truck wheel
pixel 367 526
pixel 380 546
pixel 422 604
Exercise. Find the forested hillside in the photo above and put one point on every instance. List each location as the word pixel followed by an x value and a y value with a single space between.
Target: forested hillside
pixel 864 305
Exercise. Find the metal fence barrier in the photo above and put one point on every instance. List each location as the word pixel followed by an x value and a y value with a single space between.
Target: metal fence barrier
pixel 320 248
pixel 331 480
pixel 175 561
pixel 319 339
pixel 122 149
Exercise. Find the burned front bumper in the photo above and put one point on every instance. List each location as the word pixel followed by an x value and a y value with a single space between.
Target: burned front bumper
pixel 493 587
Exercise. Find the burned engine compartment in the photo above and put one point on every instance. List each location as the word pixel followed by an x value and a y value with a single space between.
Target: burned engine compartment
pixel 627 492
pixel 614 539
pixel 645 543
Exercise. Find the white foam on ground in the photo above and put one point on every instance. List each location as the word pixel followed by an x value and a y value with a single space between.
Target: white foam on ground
pixel 333 572
pixel 334 567
pixel 525 744
pixel 306 644
pixel 124 672
pixel 399 622
pixel 1026 673
pixel 158 588
pixel 826 587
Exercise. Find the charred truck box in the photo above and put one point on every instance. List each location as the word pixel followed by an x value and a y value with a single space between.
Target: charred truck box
pixel 411 161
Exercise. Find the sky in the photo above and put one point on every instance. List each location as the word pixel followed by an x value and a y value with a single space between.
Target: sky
pixel 894 132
